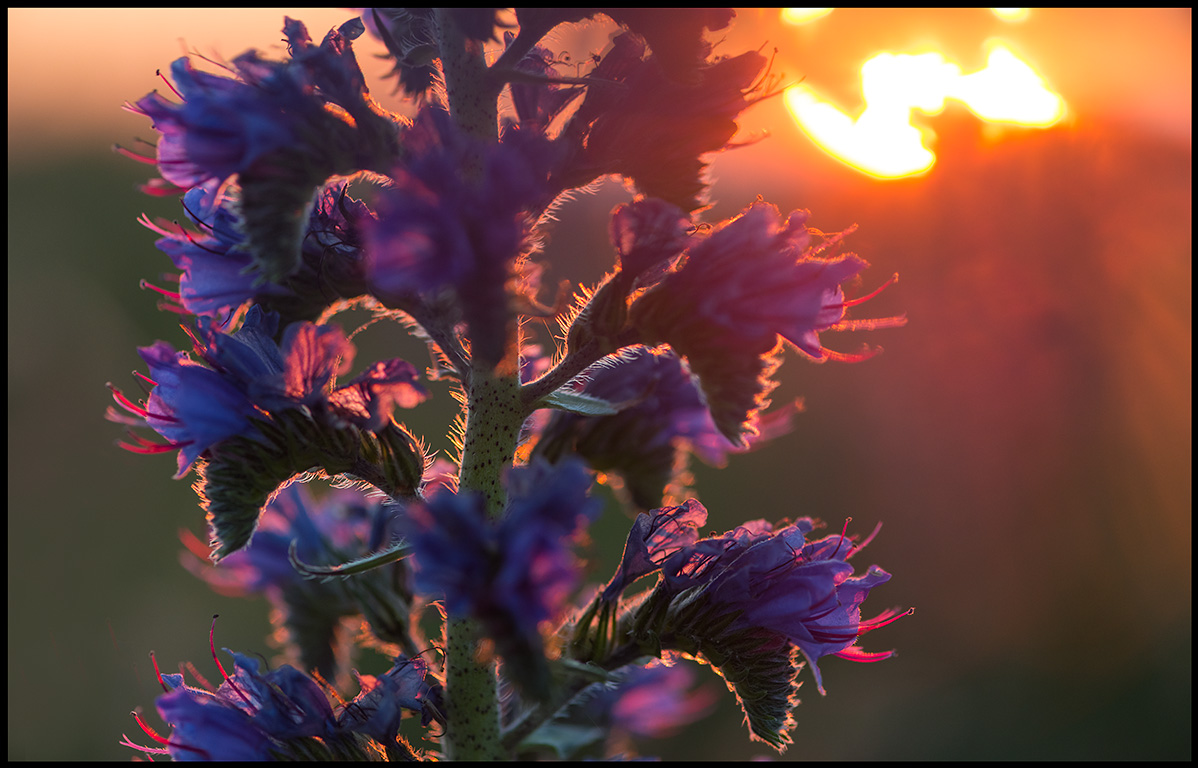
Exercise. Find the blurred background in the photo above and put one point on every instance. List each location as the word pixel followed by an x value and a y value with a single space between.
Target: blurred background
pixel 1026 438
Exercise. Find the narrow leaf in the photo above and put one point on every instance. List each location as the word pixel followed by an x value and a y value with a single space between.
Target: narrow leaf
pixel 395 552
pixel 583 405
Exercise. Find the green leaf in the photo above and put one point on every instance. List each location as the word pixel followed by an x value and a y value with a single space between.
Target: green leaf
pixel 395 552
pixel 566 739
pixel 584 405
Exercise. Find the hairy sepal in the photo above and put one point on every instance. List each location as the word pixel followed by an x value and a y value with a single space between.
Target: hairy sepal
pixel 240 476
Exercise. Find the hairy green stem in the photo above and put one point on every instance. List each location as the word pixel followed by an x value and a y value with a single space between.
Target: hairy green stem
pixel 492 425
pixel 493 417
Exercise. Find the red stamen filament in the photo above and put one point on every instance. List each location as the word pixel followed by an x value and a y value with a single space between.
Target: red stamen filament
pixel 158 674
pixel 144 284
pixel 148 730
pixel 145 221
pixel 868 539
pixel 849 357
pixel 868 296
pixel 126 403
pixel 884 618
pixel 146 446
pixel 169 84
pixel 133 155
pixel 831 241
pixel 840 543
pixel 224 674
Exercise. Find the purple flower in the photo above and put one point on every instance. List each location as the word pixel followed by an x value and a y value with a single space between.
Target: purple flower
pixel 652 128
pixel 735 292
pixel 217 267
pixel 250 376
pixel 748 602
pixel 285 715
pixel 648 233
pixel 455 220
pixel 516 571
pixel 215 270
pixel 657 700
pixel 249 717
pixel 537 103
pixel 283 127
pixel 193 407
pixel 328 532
pixel 777 584
pixel 654 537
pixel 377 710
pixel 331 66
pixel 511 574
pixel 227 125
pixel 663 415
pixel 293 515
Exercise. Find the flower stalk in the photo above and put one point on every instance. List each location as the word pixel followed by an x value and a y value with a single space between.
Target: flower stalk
pixel 671 356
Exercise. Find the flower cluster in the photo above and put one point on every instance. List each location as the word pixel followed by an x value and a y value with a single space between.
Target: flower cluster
pixel 285 715
pixel 306 198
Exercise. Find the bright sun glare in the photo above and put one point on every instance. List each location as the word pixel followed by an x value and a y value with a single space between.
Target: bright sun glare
pixel 883 142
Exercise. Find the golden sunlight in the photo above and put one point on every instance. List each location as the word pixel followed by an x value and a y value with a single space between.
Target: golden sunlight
pixel 1012 14
pixel 804 15
pixel 883 142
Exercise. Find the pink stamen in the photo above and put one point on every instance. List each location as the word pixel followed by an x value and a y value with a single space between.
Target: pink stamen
pixel 145 381
pixel 848 357
pixel 145 221
pixel 153 735
pixel 148 730
pixel 224 674
pixel 147 447
pixel 843 532
pixel 157 673
pixel 868 539
pixel 867 297
pixel 883 619
pixel 162 188
pixel 854 653
pixel 831 241
pixel 133 155
pixel 126 742
pixel 125 402
pixel 169 84
pixel 144 284
pixel 869 324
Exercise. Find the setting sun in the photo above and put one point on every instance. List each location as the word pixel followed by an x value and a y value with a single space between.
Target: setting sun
pixel 883 142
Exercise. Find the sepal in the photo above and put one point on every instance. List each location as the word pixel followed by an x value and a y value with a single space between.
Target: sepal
pixel 241 475
pixel 761 670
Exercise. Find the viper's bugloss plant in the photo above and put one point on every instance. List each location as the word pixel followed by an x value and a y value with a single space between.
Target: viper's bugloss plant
pixel 305 198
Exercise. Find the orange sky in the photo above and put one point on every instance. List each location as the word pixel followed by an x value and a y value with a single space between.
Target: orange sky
pixel 70 69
